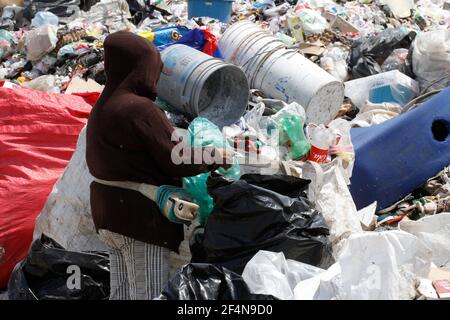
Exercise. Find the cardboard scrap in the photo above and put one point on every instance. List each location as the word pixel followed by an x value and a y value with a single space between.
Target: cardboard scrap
pixel 439 273
pixel 79 85
pixel 367 216
pixel 338 23
pixel 311 49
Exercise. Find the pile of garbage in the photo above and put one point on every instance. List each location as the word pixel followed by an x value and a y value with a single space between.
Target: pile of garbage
pixel 337 112
pixel 349 39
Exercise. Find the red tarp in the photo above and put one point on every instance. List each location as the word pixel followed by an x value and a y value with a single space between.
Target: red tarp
pixel 38 134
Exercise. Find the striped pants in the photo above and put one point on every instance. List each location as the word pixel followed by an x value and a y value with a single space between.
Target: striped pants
pixel 138 270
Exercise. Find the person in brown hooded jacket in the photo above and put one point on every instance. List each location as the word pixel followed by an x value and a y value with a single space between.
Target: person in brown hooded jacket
pixel 129 139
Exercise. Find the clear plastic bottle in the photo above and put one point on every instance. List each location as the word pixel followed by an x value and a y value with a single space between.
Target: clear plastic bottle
pixel 321 140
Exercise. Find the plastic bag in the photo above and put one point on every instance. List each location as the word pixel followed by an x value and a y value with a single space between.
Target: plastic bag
pixel 270 273
pixel 113 14
pixel 260 213
pixel 375 113
pixel 40 41
pixel 330 194
pixel 372 266
pixel 368 53
pixel 431 59
pixel 434 231
pixel 7 39
pixel 383 265
pixel 343 147
pixel 66 10
pixel 334 62
pixel 398 60
pixel 45 274
pixel 289 121
pixel 203 133
pixel 312 21
pixel 200 39
pixel 45 83
pixel 199 281
pixel 43 18
pixel 164 36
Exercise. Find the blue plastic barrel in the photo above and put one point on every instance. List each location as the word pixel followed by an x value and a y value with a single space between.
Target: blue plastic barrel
pixel 218 9
pixel 401 154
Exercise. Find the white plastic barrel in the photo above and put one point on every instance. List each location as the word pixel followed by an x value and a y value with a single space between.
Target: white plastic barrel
pixel 197 84
pixel 282 73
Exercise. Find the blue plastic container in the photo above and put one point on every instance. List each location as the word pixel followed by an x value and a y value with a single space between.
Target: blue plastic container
pixel 388 93
pixel 401 154
pixel 218 9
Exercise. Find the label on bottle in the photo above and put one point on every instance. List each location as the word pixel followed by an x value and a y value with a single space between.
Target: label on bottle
pixel 318 155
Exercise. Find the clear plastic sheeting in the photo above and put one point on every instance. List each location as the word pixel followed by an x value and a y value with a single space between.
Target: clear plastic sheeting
pixel 272 274
pixel 371 266
pixel 434 231
pixel 383 265
pixel 431 59
pixel 330 194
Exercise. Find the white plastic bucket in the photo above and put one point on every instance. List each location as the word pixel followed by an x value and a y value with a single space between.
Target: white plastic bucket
pixel 289 76
pixel 281 73
pixel 197 84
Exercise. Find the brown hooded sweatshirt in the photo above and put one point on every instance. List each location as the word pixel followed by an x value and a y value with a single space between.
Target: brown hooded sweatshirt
pixel 129 139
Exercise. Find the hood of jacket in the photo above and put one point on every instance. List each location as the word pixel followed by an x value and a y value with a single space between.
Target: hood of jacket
pixel 132 64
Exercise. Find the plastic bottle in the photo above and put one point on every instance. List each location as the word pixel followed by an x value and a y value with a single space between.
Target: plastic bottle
pixel 292 135
pixel 321 140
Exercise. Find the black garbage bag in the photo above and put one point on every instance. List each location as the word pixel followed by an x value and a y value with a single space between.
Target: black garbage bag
pixel 86 5
pixel 49 273
pixel 61 8
pixel 140 10
pixel 201 281
pixel 368 54
pixel 260 213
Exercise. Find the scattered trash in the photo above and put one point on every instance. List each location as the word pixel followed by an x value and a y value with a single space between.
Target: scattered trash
pixel 368 54
pixel 350 95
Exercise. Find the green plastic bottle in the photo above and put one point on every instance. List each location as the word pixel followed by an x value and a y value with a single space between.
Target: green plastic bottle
pixel 293 137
